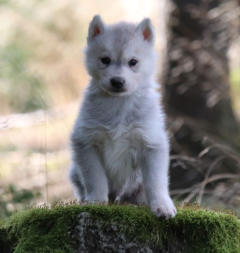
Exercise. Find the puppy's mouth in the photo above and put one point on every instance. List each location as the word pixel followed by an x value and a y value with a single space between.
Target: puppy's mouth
pixel 117 90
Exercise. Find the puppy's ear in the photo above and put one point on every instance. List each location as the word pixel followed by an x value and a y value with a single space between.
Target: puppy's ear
pixel 96 27
pixel 145 29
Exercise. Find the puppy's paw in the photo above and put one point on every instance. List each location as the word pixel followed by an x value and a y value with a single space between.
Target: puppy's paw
pixel 164 208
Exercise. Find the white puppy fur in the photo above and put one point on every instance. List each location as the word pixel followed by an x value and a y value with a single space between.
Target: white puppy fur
pixel 120 145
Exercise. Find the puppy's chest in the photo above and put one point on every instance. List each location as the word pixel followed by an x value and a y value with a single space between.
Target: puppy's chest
pixel 120 151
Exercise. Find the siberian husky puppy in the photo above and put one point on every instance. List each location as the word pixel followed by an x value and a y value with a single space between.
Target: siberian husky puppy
pixel 119 142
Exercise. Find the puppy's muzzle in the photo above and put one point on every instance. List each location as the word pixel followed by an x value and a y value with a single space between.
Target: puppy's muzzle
pixel 117 84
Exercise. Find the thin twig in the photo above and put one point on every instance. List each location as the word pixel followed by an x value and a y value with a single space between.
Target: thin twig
pixel 205 181
pixel 189 197
pixel 195 188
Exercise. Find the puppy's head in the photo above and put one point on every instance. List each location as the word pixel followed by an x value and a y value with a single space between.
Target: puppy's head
pixel 120 58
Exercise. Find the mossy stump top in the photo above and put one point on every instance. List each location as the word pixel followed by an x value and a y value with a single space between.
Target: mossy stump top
pixel 98 228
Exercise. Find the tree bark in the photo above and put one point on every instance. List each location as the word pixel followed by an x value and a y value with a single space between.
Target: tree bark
pixel 202 123
pixel 197 80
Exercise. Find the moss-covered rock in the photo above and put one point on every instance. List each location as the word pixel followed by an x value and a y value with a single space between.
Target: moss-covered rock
pixel 97 228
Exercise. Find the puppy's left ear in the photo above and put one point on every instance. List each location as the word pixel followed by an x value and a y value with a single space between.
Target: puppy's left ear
pixel 96 28
pixel 146 30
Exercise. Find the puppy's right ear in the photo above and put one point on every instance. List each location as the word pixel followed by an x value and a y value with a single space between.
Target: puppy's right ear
pixel 96 27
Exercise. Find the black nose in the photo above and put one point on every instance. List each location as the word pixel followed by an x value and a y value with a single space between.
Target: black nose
pixel 117 83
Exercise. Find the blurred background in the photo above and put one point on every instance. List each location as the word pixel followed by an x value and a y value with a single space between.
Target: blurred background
pixel 42 79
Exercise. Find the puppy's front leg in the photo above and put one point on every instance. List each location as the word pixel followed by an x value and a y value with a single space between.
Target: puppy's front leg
pixel 94 177
pixel 155 180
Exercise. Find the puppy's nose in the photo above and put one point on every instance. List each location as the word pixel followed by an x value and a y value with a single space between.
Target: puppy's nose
pixel 117 82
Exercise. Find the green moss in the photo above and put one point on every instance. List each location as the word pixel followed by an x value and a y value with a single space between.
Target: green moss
pixel 192 230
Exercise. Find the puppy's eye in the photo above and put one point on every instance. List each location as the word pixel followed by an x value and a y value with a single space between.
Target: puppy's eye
pixel 105 60
pixel 132 62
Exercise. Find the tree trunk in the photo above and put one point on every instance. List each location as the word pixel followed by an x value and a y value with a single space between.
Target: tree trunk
pixel 197 80
pixel 202 124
